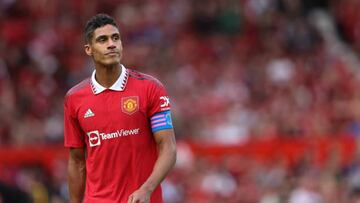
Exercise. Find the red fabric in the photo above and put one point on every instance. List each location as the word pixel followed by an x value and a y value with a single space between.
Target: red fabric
pixel 121 150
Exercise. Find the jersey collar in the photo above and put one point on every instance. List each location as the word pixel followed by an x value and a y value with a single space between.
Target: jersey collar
pixel 119 85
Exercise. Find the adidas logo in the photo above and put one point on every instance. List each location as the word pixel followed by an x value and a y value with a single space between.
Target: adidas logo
pixel 89 113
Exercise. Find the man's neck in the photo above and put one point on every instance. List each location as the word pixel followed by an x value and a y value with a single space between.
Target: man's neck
pixel 107 76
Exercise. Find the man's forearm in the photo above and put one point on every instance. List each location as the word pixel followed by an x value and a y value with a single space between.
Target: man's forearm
pixel 164 163
pixel 76 178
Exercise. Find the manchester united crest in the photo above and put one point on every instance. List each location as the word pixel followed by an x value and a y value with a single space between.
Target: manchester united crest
pixel 130 105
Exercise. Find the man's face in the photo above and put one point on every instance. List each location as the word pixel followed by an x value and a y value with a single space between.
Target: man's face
pixel 105 47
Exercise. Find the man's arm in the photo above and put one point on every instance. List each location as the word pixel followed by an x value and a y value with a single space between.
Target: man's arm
pixel 76 174
pixel 165 140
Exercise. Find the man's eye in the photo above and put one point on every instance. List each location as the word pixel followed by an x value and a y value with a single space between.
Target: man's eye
pixel 116 38
pixel 101 39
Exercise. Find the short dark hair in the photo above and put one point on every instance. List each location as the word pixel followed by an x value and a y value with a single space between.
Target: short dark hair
pixel 95 22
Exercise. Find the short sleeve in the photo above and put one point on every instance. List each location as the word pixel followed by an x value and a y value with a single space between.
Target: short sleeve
pixel 73 135
pixel 159 100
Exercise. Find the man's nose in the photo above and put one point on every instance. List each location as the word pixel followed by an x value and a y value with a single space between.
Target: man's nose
pixel 111 44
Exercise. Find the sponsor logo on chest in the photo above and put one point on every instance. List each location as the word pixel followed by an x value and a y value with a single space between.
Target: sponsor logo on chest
pixel 95 137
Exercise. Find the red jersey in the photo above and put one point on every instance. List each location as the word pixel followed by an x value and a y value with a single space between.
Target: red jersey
pixel 114 126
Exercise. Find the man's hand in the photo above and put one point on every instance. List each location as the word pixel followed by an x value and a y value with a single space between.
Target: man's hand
pixel 165 140
pixel 140 196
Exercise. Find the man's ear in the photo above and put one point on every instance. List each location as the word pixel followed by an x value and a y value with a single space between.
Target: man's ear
pixel 88 50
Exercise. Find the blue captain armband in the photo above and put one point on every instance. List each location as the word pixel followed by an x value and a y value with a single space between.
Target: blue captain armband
pixel 161 121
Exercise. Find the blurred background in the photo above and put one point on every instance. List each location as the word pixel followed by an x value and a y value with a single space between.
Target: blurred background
pixel 265 94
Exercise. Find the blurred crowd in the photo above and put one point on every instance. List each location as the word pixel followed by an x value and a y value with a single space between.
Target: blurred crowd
pixel 242 179
pixel 235 70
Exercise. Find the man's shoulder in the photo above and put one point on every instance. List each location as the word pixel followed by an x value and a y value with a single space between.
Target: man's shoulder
pixel 142 77
pixel 78 87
